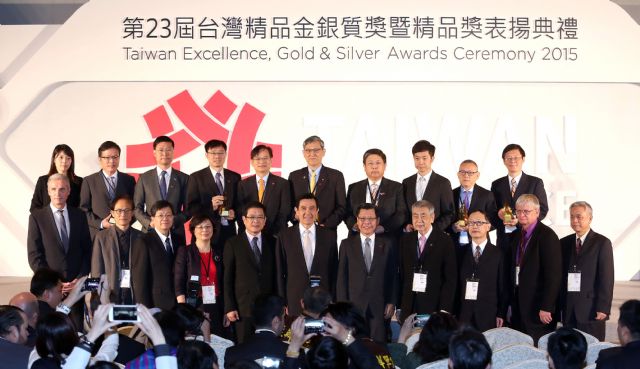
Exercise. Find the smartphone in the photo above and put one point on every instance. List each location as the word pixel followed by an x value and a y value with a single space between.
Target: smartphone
pixel 420 320
pixel 91 284
pixel 313 326
pixel 124 313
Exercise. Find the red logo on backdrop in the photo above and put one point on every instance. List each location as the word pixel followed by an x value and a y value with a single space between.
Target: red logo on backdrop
pixel 201 124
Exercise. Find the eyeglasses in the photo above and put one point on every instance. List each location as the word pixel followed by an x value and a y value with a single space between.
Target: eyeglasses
pixel 163 151
pixel 257 218
pixel 164 216
pixel 466 173
pixel 216 153
pixel 525 212
pixel 204 227
pixel 477 224
pixel 112 158
pixel 513 158
pixel 310 151
pixel 261 158
pixel 122 211
pixel 367 220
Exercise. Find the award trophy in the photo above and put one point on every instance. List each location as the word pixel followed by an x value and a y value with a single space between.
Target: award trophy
pixel 224 212
pixel 508 213
pixel 463 216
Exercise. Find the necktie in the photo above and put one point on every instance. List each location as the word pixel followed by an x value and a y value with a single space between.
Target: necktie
pixel 421 188
pixel 367 253
pixel 513 187
pixel 578 246
pixel 374 192
pixel 256 249
pixel 307 249
pixel 163 184
pixel 64 235
pixel 476 255
pixel 421 242
pixel 312 182
pixel 219 183
pixel 168 247
pixel 465 200
pixel 111 188
pixel 260 189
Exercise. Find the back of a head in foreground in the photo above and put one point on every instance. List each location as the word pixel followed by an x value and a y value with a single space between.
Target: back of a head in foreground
pixel 193 354
pixel 567 349
pixel 328 353
pixel 469 349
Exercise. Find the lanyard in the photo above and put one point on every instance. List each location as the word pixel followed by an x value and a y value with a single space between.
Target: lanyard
pixel 108 182
pixel 522 247
pixel 206 267
pixel 377 194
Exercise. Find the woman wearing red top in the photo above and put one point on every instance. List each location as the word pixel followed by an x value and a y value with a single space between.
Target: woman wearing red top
pixel 198 272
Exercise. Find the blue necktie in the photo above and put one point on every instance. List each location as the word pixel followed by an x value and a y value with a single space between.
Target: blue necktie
pixel 163 184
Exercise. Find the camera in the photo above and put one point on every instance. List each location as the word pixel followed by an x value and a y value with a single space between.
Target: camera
pixel 91 284
pixel 313 326
pixel 193 288
pixel 268 362
pixel 124 313
pixel 420 320
pixel 314 281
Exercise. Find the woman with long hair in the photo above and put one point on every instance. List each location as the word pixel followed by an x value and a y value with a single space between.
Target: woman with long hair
pixel 63 162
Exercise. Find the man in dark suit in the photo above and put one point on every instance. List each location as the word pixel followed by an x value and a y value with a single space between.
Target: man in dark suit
pixel 627 356
pixel 163 183
pixel 470 197
pixel 214 191
pixel 325 183
pixel 268 315
pixel 13 336
pixel 482 285
pixel 305 251
pixel 384 194
pixel 152 256
pixel 267 188
pixel 535 271
pixel 428 185
pixel 58 235
pixel 508 189
pixel 100 189
pixel 367 272
pixel 428 271
pixel 587 290
pixel 249 269
pixel 112 253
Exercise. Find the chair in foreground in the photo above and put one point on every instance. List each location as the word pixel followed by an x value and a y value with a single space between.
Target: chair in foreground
pixel 529 364
pixel 440 364
pixel 594 349
pixel 499 338
pixel 516 353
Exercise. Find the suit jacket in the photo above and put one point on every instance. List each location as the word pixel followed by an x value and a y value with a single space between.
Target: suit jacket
pixel 438 259
pixel 391 206
pixel 369 291
pixel 106 260
pixel 14 356
pixel 147 192
pixel 277 200
pixel 262 344
pixel 595 263
pixel 625 357
pixel 45 247
pixel 540 277
pixel 492 289
pixel 438 193
pixel 94 197
pixel 41 195
pixel 481 199
pixel 501 189
pixel 244 279
pixel 202 187
pixel 188 263
pixel 293 277
pixel 329 190
pixel 152 274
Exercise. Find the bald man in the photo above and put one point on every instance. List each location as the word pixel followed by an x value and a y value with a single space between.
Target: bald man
pixel 28 302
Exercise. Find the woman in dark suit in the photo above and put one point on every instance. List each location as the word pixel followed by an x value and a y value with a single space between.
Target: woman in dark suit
pixel 63 162
pixel 198 272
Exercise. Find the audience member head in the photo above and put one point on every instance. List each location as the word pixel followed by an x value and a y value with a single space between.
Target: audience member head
pixel 433 343
pixel 349 316
pixel 191 318
pixel 28 303
pixel 629 322
pixel 327 353
pixel 469 349
pixel 46 285
pixel 63 162
pixel 268 313
pixel 13 324
pixel 55 336
pixel 567 349
pixel 172 327
pixel 194 354
pixel 315 300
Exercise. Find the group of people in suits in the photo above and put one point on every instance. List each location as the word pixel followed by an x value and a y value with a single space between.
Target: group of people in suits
pixel 414 247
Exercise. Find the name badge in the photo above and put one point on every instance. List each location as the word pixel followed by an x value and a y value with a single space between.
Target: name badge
pixel 517 276
pixel 195 278
pixel 209 294
pixel 464 238
pixel 471 291
pixel 125 278
pixel 419 282
pixel 509 229
pixel 573 282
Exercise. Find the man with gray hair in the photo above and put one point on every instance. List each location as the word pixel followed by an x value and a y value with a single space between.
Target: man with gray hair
pixel 536 271
pixel 325 183
pixel 58 235
pixel 28 303
pixel 428 270
pixel 587 288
